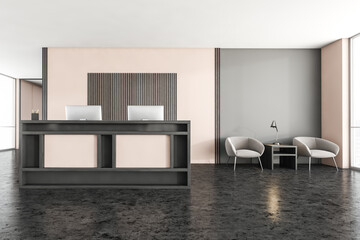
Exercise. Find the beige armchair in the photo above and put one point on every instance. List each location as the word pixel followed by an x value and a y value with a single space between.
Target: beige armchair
pixel 244 147
pixel 316 148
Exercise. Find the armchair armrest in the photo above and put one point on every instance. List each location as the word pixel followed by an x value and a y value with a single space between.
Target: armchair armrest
pixel 326 145
pixel 302 148
pixel 231 148
pixel 256 145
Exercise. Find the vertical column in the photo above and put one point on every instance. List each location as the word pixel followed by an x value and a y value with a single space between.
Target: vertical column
pixel 44 82
pixel 113 151
pixel 217 105
pixel 335 103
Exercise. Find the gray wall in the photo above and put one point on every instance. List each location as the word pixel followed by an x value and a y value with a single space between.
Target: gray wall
pixel 258 86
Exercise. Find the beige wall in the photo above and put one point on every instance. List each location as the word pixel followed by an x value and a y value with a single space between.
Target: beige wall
pixel 335 98
pixel 65 151
pixel 67 83
pixel 31 98
pixel 138 151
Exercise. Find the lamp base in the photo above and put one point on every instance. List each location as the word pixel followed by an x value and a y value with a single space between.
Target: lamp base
pixel 276 143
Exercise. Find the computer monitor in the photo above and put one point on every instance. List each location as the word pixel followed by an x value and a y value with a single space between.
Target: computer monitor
pixel 145 112
pixel 83 112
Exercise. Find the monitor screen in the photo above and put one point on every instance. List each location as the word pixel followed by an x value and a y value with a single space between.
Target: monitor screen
pixel 83 112
pixel 145 112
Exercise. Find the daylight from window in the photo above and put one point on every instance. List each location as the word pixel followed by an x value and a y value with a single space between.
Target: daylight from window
pixel 355 102
pixel 7 116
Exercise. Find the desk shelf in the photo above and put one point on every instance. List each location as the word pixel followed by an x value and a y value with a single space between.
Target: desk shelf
pixel 287 156
pixel 104 186
pixel 104 169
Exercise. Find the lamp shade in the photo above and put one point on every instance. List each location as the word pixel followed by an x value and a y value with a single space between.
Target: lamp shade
pixel 274 125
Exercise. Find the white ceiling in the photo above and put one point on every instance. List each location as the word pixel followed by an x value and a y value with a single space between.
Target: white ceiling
pixel 27 26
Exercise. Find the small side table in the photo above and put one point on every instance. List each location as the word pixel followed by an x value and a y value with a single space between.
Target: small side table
pixel 287 156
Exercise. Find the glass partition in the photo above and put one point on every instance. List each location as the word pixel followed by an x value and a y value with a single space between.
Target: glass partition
pixel 7 116
pixel 30 98
pixel 355 102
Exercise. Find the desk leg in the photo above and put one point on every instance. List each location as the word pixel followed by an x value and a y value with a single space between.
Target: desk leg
pixel 267 158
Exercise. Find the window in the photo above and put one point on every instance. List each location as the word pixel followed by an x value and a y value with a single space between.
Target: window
pixel 7 115
pixel 355 102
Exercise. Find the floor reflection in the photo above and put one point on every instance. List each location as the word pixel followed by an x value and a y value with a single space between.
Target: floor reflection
pixel 273 199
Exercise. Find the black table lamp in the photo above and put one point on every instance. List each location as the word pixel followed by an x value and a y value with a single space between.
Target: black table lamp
pixel 273 125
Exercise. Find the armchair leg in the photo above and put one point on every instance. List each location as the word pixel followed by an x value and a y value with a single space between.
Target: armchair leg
pixel 335 164
pixel 235 164
pixel 309 163
pixel 228 160
pixel 260 164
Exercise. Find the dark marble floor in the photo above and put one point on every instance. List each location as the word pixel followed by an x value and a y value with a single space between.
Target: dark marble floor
pixel 248 204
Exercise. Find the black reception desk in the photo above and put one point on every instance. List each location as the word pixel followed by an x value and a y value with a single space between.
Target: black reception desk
pixel 33 174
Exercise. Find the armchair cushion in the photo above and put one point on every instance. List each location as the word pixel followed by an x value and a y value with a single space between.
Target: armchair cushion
pixel 316 153
pixel 247 153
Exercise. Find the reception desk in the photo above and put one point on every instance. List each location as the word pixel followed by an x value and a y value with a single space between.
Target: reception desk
pixel 121 154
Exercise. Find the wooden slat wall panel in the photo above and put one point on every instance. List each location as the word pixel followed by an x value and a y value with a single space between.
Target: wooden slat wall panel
pixel 115 91
pixel 217 105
